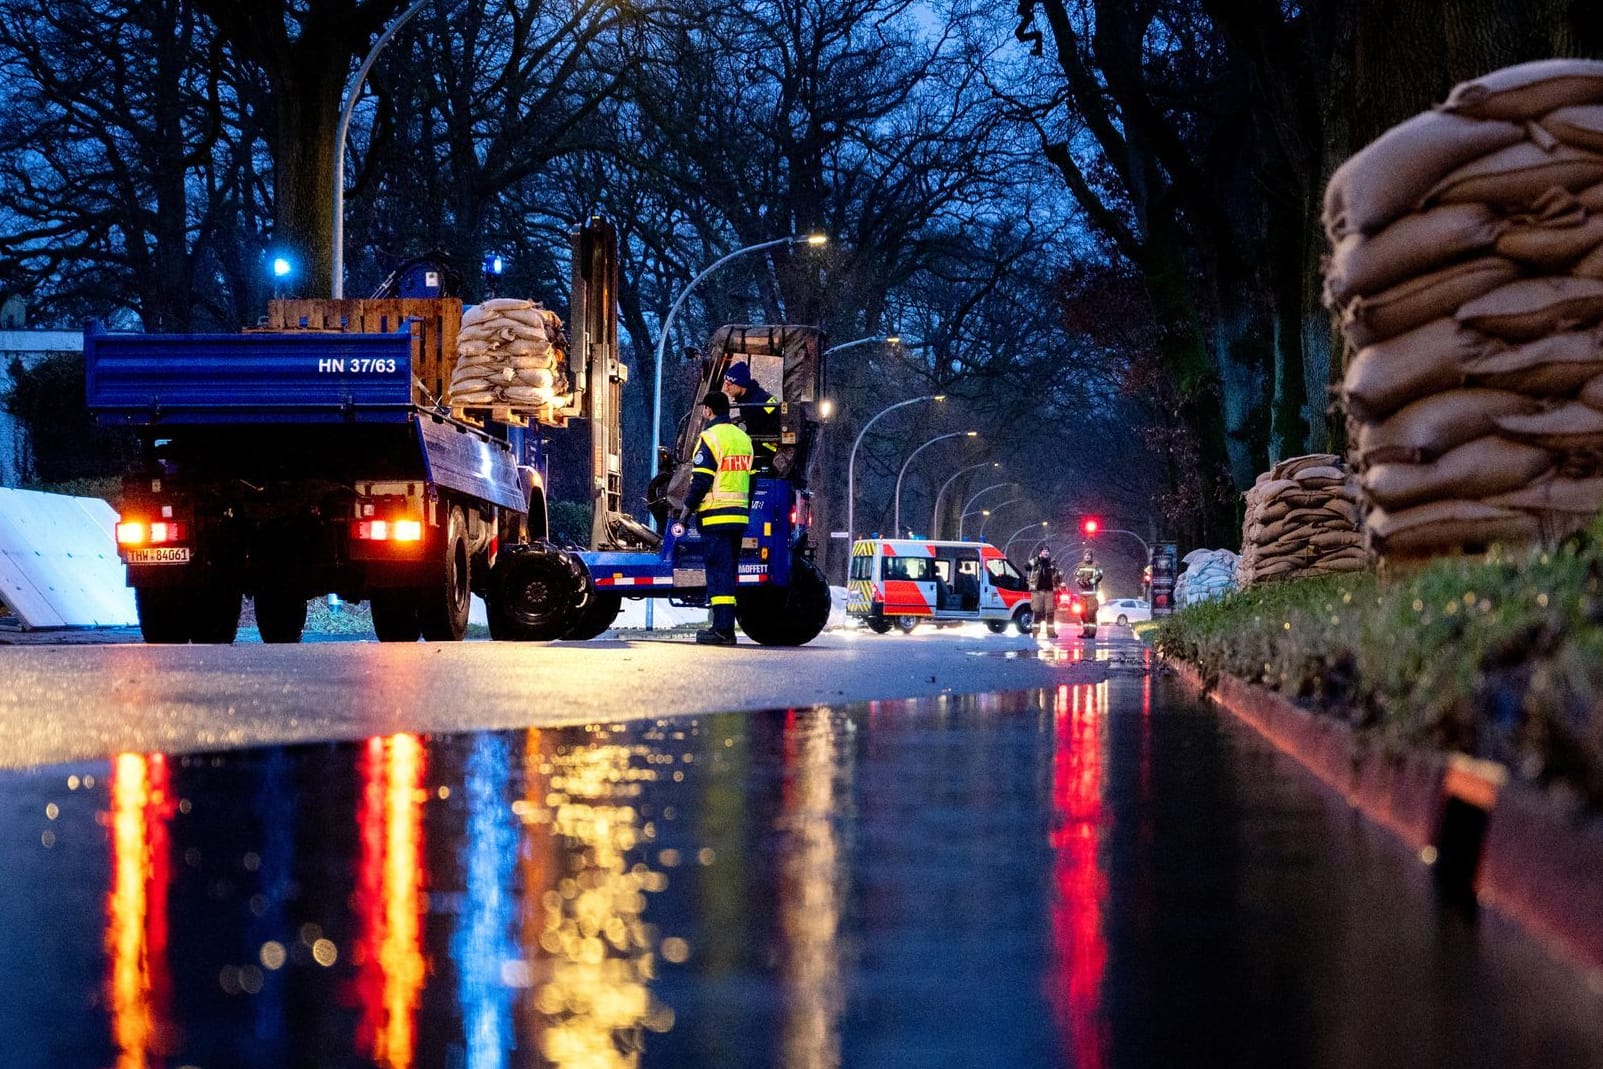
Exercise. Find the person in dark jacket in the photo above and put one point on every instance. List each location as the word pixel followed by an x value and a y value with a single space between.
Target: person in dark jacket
pixel 758 413
pixel 720 499
pixel 1043 582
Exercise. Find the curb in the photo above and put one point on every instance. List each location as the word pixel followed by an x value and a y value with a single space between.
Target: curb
pixel 1489 838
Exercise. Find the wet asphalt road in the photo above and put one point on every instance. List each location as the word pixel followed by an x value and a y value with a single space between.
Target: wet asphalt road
pixel 1091 871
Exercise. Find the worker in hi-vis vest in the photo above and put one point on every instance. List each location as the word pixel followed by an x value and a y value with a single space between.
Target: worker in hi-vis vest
pixel 720 499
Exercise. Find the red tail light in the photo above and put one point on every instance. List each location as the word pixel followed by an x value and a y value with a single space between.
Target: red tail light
pixel 389 530
pixel 139 533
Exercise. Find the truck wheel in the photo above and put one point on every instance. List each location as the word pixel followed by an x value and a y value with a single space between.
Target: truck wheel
pixel 280 616
pixel 215 612
pixel 785 616
pixel 163 615
pixel 1024 620
pixel 532 593
pixel 395 615
pixel 442 612
pixel 595 615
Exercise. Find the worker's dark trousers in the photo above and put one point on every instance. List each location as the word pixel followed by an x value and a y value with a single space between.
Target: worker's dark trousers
pixel 723 553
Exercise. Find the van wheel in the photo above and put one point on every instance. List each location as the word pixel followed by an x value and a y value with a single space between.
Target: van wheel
pixel 395 615
pixel 280 616
pixel 163 615
pixel 442 614
pixel 879 625
pixel 996 627
pixel 1024 620
pixel 905 624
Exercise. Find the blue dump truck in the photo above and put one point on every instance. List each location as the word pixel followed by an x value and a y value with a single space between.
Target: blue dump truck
pixel 322 454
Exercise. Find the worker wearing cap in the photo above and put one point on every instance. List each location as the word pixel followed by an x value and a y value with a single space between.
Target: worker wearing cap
pixel 720 499
pixel 759 412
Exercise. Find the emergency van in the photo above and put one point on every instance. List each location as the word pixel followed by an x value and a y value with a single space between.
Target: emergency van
pixel 900 582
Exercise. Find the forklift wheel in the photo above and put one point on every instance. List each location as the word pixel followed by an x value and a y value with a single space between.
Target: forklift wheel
pixel 600 609
pixel 785 616
pixel 532 593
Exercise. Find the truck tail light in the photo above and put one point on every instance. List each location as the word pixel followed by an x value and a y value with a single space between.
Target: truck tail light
pixel 138 533
pixel 389 530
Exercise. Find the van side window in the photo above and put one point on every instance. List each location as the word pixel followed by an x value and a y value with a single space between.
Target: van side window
pixel 943 570
pixel 913 569
pixel 1003 575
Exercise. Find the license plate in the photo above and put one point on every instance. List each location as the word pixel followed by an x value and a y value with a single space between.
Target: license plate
pixel 163 555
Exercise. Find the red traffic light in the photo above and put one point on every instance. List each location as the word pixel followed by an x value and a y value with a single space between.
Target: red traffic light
pixel 1090 525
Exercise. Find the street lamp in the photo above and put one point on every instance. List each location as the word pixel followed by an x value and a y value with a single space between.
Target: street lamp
pixel 883 339
pixel 1015 537
pixel 992 511
pixel 896 524
pixel 851 466
pixel 967 512
pixel 814 240
pixel 935 516
pixel 1145 548
pixel 338 261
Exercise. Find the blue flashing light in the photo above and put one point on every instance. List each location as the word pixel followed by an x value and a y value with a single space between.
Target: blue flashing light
pixel 494 264
pixel 282 267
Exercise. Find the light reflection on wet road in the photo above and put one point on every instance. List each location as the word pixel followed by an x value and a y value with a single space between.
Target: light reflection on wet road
pixel 1098 875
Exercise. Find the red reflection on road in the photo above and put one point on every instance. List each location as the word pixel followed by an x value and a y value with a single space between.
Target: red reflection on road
pixel 389 956
pixel 1079 943
pixel 136 909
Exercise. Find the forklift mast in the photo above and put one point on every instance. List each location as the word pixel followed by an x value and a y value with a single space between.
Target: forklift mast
pixel 593 323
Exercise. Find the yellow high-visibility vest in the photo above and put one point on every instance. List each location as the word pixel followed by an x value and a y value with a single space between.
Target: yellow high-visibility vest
pixel 729 500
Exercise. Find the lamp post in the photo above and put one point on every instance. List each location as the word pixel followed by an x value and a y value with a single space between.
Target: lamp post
pixel 851 467
pixel 1145 548
pixel 1015 536
pixel 337 263
pixel 966 512
pixel 992 511
pixel 935 515
pixel 667 324
pixel 884 339
pixel 897 523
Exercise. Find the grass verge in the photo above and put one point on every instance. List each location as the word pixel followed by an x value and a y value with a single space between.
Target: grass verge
pixel 1499 657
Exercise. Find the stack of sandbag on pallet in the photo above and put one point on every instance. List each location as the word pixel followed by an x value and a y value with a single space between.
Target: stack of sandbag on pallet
pixel 1467 271
pixel 1206 574
pixel 1302 521
pixel 510 352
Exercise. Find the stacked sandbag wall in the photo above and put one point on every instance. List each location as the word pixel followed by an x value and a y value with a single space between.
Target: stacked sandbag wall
pixel 510 353
pixel 1302 520
pixel 1206 574
pixel 1467 274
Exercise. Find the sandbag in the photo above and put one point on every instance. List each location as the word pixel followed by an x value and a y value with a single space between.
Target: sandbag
pixel 1592 391
pixel 1515 176
pixel 1292 467
pixel 1424 430
pixel 1582 497
pixel 1388 375
pixel 1535 307
pixel 1527 90
pixel 1387 178
pixel 1580 125
pixel 1553 366
pixel 1417 301
pixel 1447 524
pixel 1488 465
pixel 1416 244
pixel 1568 426
pixel 1551 247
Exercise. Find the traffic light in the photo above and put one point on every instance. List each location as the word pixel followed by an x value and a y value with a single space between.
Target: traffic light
pixel 1090 526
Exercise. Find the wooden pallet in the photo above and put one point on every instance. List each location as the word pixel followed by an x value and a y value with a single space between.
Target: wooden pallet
pixel 434 321
pixel 478 415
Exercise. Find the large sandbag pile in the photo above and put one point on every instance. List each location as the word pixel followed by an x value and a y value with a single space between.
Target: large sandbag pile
pixel 1467 273
pixel 1206 574
pixel 1302 520
pixel 510 352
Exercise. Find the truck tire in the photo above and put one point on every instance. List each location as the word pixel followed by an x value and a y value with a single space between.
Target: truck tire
pixel 280 616
pixel 395 615
pixel 442 610
pixel 214 612
pixel 595 615
pixel 533 590
pixel 163 615
pixel 785 616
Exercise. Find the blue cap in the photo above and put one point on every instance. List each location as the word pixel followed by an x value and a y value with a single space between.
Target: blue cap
pixel 739 374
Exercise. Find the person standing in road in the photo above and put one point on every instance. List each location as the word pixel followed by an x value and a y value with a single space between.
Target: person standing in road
pixel 759 413
pixel 1043 581
pixel 720 499
pixel 1088 576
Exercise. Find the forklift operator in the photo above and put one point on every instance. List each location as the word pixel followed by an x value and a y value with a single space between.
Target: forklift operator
pixel 759 413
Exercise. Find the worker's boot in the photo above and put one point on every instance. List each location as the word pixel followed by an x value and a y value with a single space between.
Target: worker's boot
pixel 709 637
